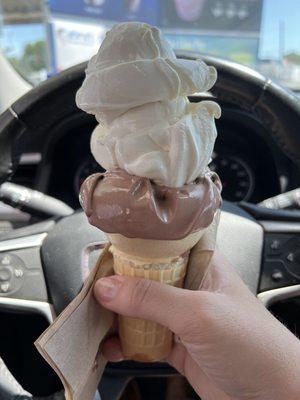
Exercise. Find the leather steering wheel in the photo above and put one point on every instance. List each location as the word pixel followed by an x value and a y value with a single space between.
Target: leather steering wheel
pixel 59 248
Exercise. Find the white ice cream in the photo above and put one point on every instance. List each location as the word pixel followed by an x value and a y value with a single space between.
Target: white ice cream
pixel 137 90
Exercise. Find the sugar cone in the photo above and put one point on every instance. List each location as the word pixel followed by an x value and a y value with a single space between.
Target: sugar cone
pixel 143 340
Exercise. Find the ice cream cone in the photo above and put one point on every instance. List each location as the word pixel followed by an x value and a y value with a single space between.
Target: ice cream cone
pixel 157 196
pixel 146 340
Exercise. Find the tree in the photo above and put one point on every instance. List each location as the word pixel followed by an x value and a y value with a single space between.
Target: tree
pixel 33 59
pixel 35 56
pixel 293 58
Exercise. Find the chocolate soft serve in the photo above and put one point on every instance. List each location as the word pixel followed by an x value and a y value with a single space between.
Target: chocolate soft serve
pixel 117 202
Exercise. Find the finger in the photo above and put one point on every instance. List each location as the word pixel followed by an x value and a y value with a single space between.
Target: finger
pixel 111 350
pixel 142 298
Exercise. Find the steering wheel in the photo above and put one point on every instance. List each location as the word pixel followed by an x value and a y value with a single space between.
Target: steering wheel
pixel 52 255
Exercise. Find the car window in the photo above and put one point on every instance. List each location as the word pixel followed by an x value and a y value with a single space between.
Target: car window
pixel 42 38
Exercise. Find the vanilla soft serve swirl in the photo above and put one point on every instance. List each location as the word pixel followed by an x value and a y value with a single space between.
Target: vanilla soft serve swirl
pixel 137 90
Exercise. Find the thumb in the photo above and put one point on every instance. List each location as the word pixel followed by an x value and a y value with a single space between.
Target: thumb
pixel 147 299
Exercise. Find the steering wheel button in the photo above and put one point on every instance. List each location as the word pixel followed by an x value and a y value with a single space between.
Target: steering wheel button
pixel 5 274
pixel 293 264
pixel 5 260
pixel 18 273
pixel 277 276
pixel 4 287
pixel 275 244
pixel 291 257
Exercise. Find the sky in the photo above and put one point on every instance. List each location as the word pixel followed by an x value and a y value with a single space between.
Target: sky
pixel 15 37
pixel 274 11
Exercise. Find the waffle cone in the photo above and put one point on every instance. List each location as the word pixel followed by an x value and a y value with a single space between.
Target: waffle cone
pixel 144 340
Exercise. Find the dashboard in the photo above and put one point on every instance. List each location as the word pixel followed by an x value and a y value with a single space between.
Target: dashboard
pixel 237 175
pixel 250 165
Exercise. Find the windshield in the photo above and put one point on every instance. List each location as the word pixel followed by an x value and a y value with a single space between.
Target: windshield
pixel 41 38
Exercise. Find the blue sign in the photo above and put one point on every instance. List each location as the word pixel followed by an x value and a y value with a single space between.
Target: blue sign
pixel 110 10
pixel 212 15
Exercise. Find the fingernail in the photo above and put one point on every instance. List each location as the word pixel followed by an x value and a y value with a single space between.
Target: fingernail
pixel 107 288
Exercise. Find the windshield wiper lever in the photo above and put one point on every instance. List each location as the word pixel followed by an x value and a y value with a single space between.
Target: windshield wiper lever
pixel 282 201
pixel 33 201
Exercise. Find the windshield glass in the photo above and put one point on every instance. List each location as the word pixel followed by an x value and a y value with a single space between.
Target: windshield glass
pixel 41 38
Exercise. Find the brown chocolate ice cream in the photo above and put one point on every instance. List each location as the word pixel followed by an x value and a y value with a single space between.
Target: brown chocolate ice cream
pixel 117 202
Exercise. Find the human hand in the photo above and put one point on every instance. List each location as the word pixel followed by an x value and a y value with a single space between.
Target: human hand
pixel 226 343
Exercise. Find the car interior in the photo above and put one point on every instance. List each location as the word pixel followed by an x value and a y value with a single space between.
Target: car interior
pixel 46 121
pixel 45 157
